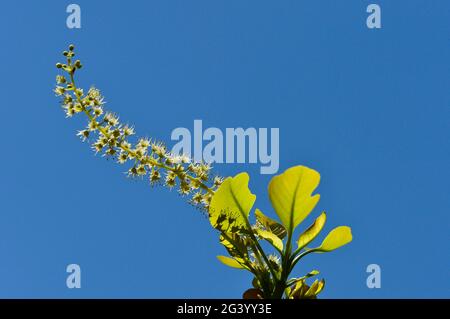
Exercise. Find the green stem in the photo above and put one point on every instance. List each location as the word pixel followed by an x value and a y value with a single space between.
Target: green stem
pixel 296 259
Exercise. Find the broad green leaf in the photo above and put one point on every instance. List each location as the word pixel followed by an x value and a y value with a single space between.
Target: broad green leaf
pixel 271 238
pixel 231 204
pixel 312 231
pixel 338 237
pixel 230 262
pixel 270 224
pixel 291 194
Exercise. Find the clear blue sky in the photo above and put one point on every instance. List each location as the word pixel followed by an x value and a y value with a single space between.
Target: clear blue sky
pixel 368 109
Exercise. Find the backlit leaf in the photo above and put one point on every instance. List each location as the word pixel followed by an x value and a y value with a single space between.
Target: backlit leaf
pixel 270 224
pixel 291 194
pixel 312 231
pixel 316 287
pixel 230 262
pixel 231 205
pixel 271 238
pixel 338 237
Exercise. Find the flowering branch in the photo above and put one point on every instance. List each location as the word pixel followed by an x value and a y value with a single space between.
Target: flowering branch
pixel 227 202
pixel 111 138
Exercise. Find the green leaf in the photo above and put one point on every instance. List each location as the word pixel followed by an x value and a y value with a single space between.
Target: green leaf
pixel 231 205
pixel 302 291
pixel 291 195
pixel 299 290
pixel 270 224
pixel 271 238
pixel 312 273
pixel 230 262
pixel 312 231
pixel 338 237
pixel 315 288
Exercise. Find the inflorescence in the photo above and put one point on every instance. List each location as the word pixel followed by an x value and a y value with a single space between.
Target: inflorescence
pixel 147 157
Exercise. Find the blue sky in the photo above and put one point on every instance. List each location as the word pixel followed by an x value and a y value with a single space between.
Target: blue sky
pixel 368 109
